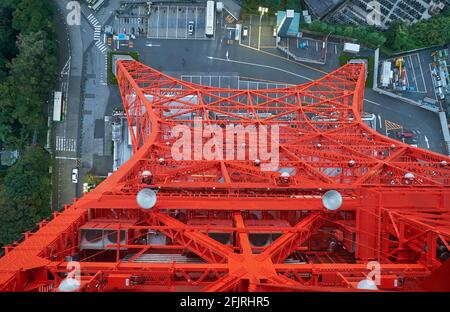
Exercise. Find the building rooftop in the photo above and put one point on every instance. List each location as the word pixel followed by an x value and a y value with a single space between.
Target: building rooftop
pixel 323 7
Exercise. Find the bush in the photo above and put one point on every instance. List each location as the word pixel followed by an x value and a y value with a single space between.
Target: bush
pixel 111 78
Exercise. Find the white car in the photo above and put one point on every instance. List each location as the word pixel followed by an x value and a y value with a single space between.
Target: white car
pixel 75 175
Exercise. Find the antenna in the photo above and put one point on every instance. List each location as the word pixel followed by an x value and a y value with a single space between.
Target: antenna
pixel 146 198
pixel 367 284
pixel 332 200
pixel 69 285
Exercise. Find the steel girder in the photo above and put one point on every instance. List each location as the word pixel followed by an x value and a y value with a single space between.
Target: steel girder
pixel 396 197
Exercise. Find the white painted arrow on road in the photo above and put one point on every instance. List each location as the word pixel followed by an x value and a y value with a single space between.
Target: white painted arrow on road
pixel 426 141
pixel 379 119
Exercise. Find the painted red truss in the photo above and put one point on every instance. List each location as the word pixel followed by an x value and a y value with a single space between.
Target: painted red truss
pixel 229 218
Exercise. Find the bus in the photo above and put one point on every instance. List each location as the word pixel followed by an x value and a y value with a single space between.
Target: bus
pixel 57 106
pixel 210 19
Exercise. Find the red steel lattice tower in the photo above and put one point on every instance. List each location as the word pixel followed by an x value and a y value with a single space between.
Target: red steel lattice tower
pixel 227 225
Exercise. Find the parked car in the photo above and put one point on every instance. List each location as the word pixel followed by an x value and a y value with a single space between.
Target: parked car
pixel 405 134
pixel 75 175
pixel 191 27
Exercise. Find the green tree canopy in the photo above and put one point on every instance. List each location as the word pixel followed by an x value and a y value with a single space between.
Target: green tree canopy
pixel 32 73
pixel 33 16
pixel 24 197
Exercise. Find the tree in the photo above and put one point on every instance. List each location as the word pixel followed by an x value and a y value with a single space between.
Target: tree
pixel 9 127
pixel 33 16
pixel 7 36
pixel 27 73
pixel 33 73
pixel 25 196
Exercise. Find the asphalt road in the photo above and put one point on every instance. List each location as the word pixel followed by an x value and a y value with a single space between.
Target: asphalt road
pixel 81 135
pixel 181 56
pixel 66 135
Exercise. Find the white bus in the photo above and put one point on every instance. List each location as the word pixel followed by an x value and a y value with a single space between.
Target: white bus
pixel 57 106
pixel 210 19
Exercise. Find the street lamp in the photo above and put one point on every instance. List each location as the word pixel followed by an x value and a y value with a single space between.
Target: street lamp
pixel 262 11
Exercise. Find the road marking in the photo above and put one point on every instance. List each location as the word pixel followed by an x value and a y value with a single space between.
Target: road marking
pixel 392 126
pixel 434 86
pixel 428 143
pixel 423 78
pixel 167 23
pixel 157 24
pixel 335 49
pixel 66 158
pixel 65 145
pixel 260 65
pixel 414 72
pixel 379 119
pixel 267 81
pixel 196 22
pixel 101 46
pixel 185 23
pixel 372 102
pixel 285 59
pixel 176 28
pixel 250 32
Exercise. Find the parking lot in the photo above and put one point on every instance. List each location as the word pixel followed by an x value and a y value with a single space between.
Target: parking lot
pixel 415 76
pixel 131 25
pixel 171 22
pixel 231 82
pixel 255 38
pixel 307 48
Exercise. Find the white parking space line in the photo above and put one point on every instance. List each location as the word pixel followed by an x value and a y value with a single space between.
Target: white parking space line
pixel 434 89
pixel 250 31
pixel 207 80
pixel 423 76
pixel 193 13
pixel 196 20
pixel 185 23
pixel 414 73
pixel 176 28
pixel 167 22
pixel 157 24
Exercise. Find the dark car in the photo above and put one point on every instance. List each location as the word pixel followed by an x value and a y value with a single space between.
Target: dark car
pixel 191 27
pixel 405 134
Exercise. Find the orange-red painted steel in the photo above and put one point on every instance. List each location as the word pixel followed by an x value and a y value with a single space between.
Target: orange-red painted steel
pixel 228 225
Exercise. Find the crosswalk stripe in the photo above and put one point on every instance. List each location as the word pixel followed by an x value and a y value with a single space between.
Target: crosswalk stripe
pixel 65 145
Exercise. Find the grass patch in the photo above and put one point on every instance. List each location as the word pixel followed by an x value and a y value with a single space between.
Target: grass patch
pixel 343 59
pixel 111 78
